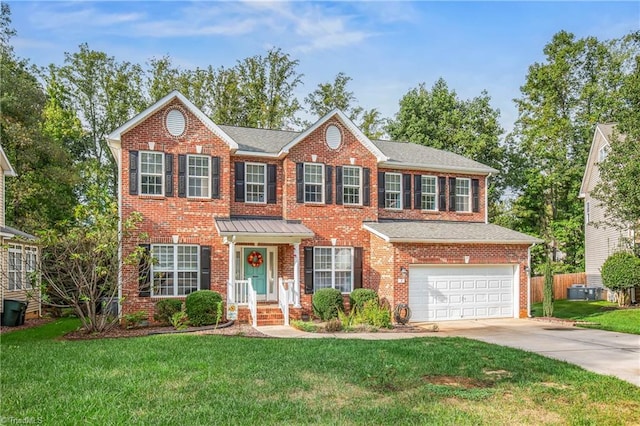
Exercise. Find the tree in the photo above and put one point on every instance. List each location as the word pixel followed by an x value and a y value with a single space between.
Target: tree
pixel 562 98
pixel 439 119
pixel 619 187
pixel 328 96
pixel 42 194
pixel 79 267
pixel 621 272
pixel 547 301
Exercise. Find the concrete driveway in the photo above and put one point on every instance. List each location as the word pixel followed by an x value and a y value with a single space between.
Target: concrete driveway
pixel 603 352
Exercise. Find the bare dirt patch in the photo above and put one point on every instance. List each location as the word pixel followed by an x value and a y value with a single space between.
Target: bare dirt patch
pixel 457 382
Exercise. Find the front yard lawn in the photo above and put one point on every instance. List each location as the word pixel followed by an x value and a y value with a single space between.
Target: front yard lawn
pixel 599 314
pixel 200 379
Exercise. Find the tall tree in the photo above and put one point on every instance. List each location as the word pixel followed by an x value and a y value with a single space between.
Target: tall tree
pixel 619 187
pixel 105 93
pixel 438 118
pixel 562 99
pixel 328 96
pixel 42 195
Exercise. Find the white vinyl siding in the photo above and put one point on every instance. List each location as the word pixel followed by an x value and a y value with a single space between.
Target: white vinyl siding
pixel 393 191
pixel 463 195
pixel 255 183
pixel 351 185
pixel 151 173
pixel 313 183
pixel 175 271
pixel 333 268
pixel 429 198
pixel 198 176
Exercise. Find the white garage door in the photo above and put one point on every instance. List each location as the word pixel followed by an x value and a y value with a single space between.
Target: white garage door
pixel 438 293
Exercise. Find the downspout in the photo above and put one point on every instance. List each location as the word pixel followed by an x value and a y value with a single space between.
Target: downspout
pixel 528 269
pixel 486 198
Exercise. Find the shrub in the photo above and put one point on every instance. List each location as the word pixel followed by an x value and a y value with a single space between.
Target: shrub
pixel 179 320
pixel 327 302
pixel 165 309
pixel 135 319
pixel 620 272
pixel 374 314
pixel 203 307
pixel 333 325
pixel 360 296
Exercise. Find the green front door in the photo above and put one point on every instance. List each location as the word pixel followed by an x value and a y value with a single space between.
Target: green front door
pixel 255 267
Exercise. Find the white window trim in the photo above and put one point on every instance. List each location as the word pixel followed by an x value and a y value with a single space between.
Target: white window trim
pixel 435 194
pixel 19 273
pixel 162 176
pixel 304 175
pixel 603 152
pixel 360 191
pixel 468 196
pixel 264 184
pixel 175 270
pixel 333 265
pixel 208 195
pixel 386 175
pixel 23 282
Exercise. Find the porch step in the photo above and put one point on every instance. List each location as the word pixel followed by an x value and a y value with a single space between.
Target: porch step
pixel 267 315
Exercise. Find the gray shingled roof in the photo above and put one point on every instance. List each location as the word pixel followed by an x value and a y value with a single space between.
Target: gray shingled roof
pixel 273 227
pixel 16 232
pixel 400 154
pixel 447 232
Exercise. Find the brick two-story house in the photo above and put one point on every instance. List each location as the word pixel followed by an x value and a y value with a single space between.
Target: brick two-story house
pixel 293 212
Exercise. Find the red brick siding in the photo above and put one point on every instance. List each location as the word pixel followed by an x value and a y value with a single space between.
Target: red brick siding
pixel 255 209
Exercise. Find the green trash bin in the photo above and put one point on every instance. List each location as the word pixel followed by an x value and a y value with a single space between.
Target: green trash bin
pixel 13 312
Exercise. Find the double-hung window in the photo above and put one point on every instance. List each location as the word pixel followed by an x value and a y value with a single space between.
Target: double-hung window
pixel 30 264
pixel 174 270
pixel 429 195
pixel 333 268
pixel 151 173
pixel 255 181
pixel 393 191
pixel 351 185
pixel 463 195
pixel 198 176
pixel 313 183
pixel 15 267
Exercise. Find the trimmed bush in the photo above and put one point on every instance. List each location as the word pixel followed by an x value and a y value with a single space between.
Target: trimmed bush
pixel 165 309
pixel 620 272
pixel 327 302
pixel 202 307
pixel 360 296
pixel 374 314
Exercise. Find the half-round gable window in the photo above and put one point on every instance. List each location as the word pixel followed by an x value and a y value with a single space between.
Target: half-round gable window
pixel 176 122
pixel 333 136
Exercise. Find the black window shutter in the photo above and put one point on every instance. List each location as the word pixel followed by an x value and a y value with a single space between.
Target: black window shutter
pixel 475 194
pixel 357 267
pixel 168 175
pixel 144 272
pixel 417 192
pixel 205 267
pixel 215 177
pixel 442 194
pixel 133 172
pixel 271 183
pixel 366 186
pixel 328 184
pixel 452 194
pixel 406 189
pixel 182 175
pixel 338 185
pixel 381 189
pixel 299 183
pixel 239 185
pixel 308 270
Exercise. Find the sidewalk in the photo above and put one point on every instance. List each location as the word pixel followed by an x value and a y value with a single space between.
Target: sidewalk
pixel 284 331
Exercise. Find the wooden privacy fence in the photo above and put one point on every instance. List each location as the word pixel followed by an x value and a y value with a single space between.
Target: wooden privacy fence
pixel 560 285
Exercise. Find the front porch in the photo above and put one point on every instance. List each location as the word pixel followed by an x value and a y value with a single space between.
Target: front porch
pixel 243 304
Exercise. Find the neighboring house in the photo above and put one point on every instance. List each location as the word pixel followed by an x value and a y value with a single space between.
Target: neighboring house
pixel 600 240
pixel 18 256
pixel 295 212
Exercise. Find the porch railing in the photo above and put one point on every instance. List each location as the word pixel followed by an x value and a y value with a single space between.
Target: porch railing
pixel 294 293
pixel 238 292
pixel 284 298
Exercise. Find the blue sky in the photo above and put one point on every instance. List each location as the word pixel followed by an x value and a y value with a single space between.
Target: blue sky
pixel 386 47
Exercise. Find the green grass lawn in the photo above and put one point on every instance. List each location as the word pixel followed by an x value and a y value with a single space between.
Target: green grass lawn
pixel 600 314
pixel 190 380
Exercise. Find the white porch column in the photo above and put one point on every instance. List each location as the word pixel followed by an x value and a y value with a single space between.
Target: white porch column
pixel 296 274
pixel 232 263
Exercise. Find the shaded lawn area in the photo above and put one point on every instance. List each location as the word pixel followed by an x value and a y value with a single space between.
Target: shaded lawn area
pixel 191 380
pixel 601 314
